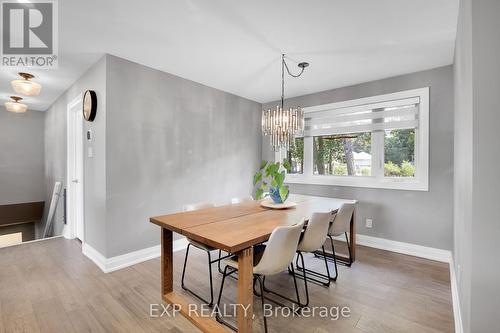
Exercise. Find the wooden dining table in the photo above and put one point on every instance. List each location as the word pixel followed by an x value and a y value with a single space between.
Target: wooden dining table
pixel 234 228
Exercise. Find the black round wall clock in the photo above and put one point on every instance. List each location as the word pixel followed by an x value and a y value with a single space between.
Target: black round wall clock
pixel 89 105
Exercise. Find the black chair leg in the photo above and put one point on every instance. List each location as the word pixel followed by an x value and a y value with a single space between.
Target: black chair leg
pixel 334 259
pixel 291 271
pixel 316 277
pixel 297 301
pixel 348 249
pixel 261 282
pixel 224 274
pixel 327 268
pixel 305 280
pixel 210 303
pixel 295 283
pixel 255 292
pixel 184 267
pixel 211 281
pixel 217 314
pixel 218 262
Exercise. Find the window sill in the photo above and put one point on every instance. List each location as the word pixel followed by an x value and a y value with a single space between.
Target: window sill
pixel 365 182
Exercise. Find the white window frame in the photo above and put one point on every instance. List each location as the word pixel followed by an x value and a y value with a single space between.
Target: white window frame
pixel 377 180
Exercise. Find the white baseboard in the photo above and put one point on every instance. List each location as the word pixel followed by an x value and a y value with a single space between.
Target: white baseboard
pixel 403 248
pixel 108 265
pixel 457 313
pixel 128 259
pixel 95 256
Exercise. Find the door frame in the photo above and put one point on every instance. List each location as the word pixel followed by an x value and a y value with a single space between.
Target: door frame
pixel 72 111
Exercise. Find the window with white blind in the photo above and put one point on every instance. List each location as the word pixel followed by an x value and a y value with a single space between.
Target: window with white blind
pixel 380 142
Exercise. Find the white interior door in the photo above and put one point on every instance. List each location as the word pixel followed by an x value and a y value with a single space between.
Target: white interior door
pixel 75 169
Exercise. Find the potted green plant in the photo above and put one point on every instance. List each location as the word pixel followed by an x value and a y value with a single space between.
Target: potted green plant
pixel 270 178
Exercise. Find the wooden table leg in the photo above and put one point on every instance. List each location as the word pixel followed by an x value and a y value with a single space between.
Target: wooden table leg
pixel 244 310
pixel 352 236
pixel 167 264
pixel 205 324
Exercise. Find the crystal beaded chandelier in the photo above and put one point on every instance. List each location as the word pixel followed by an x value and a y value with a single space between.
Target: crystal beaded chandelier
pixel 282 126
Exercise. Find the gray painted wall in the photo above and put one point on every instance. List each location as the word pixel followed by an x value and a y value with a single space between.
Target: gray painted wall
pixel 55 161
pixel 423 218
pixel 159 141
pixel 21 157
pixel 463 160
pixel 94 168
pixel 171 141
pixel 485 297
pixel 477 227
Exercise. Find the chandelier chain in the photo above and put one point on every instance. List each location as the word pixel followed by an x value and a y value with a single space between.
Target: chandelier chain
pixel 288 69
pixel 283 66
pixel 283 63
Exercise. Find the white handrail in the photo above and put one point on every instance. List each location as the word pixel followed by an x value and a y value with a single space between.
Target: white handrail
pixel 53 205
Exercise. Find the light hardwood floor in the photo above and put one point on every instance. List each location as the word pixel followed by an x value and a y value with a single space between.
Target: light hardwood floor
pixel 50 286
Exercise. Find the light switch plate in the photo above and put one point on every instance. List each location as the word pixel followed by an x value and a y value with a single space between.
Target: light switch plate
pixel 90 152
pixel 369 223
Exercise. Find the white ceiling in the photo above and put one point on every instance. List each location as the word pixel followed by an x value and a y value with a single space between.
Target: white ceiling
pixel 235 46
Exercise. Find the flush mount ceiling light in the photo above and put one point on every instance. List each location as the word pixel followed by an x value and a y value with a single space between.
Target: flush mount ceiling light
pixel 25 86
pixel 284 125
pixel 15 106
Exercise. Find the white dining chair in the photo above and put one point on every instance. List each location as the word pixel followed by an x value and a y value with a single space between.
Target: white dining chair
pixel 203 247
pixel 269 259
pixel 240 200
pixel 312 240
pixel 341 225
